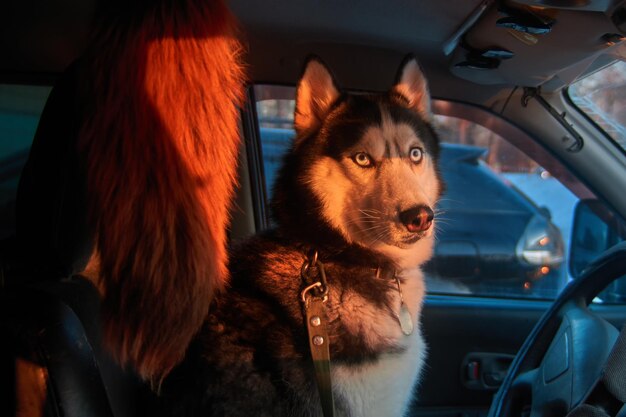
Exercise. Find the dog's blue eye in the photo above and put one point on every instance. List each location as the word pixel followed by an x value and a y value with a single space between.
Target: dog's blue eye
pixel 362 159
pixel 416 154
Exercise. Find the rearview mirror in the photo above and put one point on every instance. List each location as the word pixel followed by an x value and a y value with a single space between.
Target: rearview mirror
pixel 595 229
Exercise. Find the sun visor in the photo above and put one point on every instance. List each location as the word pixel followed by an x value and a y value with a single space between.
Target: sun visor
pixel 528 45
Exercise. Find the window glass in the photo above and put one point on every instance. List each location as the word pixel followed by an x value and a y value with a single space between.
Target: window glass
pixel 505 219
pixel 20 108
pixel 602 96
pixel 505 222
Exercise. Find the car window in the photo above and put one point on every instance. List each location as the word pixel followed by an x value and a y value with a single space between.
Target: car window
pixel 20 108
pixel 505 222
pixel 602 97
pixel 505 218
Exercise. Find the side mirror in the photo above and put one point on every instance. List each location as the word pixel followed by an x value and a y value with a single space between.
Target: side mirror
pixel 545 212
pixel 595 229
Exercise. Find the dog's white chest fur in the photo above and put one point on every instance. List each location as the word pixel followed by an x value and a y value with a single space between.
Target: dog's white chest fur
pixel 384 387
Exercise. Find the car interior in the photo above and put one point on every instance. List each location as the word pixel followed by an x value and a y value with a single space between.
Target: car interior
pixel 513 327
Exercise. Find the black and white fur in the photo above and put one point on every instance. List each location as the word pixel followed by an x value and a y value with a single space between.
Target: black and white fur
pixel 251 358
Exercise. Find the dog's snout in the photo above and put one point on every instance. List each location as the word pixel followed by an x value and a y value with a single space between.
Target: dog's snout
pixel 417 219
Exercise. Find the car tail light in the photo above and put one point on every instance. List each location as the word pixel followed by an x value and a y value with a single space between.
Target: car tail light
pixel 541 244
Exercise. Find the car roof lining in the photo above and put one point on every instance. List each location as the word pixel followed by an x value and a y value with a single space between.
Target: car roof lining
pixel 363 41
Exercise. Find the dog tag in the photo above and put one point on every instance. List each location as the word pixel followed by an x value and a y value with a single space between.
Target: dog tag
pixel 406 323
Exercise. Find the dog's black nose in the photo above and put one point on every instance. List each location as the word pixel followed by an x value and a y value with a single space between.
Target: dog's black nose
pixel 417 219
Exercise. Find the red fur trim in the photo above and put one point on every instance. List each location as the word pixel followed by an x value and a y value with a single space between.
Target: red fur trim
pixel 161 144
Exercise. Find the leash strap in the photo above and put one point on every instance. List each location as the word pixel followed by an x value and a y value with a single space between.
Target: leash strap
pixel 318 342
pixel 313 298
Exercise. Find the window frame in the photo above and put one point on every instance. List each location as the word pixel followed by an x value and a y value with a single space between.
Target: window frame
pixel 567 97
pixel 570 102
pixel 254 152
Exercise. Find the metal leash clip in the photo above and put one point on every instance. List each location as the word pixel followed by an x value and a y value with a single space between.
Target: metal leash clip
pixel 313 271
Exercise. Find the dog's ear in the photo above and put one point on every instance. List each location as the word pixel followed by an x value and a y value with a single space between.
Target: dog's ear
pixel 314 97
pixel 412 86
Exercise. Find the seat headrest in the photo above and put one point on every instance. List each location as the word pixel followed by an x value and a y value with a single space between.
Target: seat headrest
pixel 51 213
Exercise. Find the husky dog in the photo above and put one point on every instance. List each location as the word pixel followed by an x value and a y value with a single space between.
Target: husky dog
pixel 359 187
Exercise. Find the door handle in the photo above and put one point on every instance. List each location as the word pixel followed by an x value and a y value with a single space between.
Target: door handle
pixel 485 371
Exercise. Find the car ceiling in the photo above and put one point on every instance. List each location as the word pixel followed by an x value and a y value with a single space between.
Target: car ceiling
pixel 362 41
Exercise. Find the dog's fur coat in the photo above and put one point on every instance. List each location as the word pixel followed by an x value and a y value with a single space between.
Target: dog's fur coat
pixel 251 357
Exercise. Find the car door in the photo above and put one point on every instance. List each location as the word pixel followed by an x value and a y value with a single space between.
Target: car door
pixel 502 253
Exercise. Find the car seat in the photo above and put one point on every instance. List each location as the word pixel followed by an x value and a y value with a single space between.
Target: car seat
pixel 51 358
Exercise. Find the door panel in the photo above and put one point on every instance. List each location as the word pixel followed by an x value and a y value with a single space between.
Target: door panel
pixel 457 326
